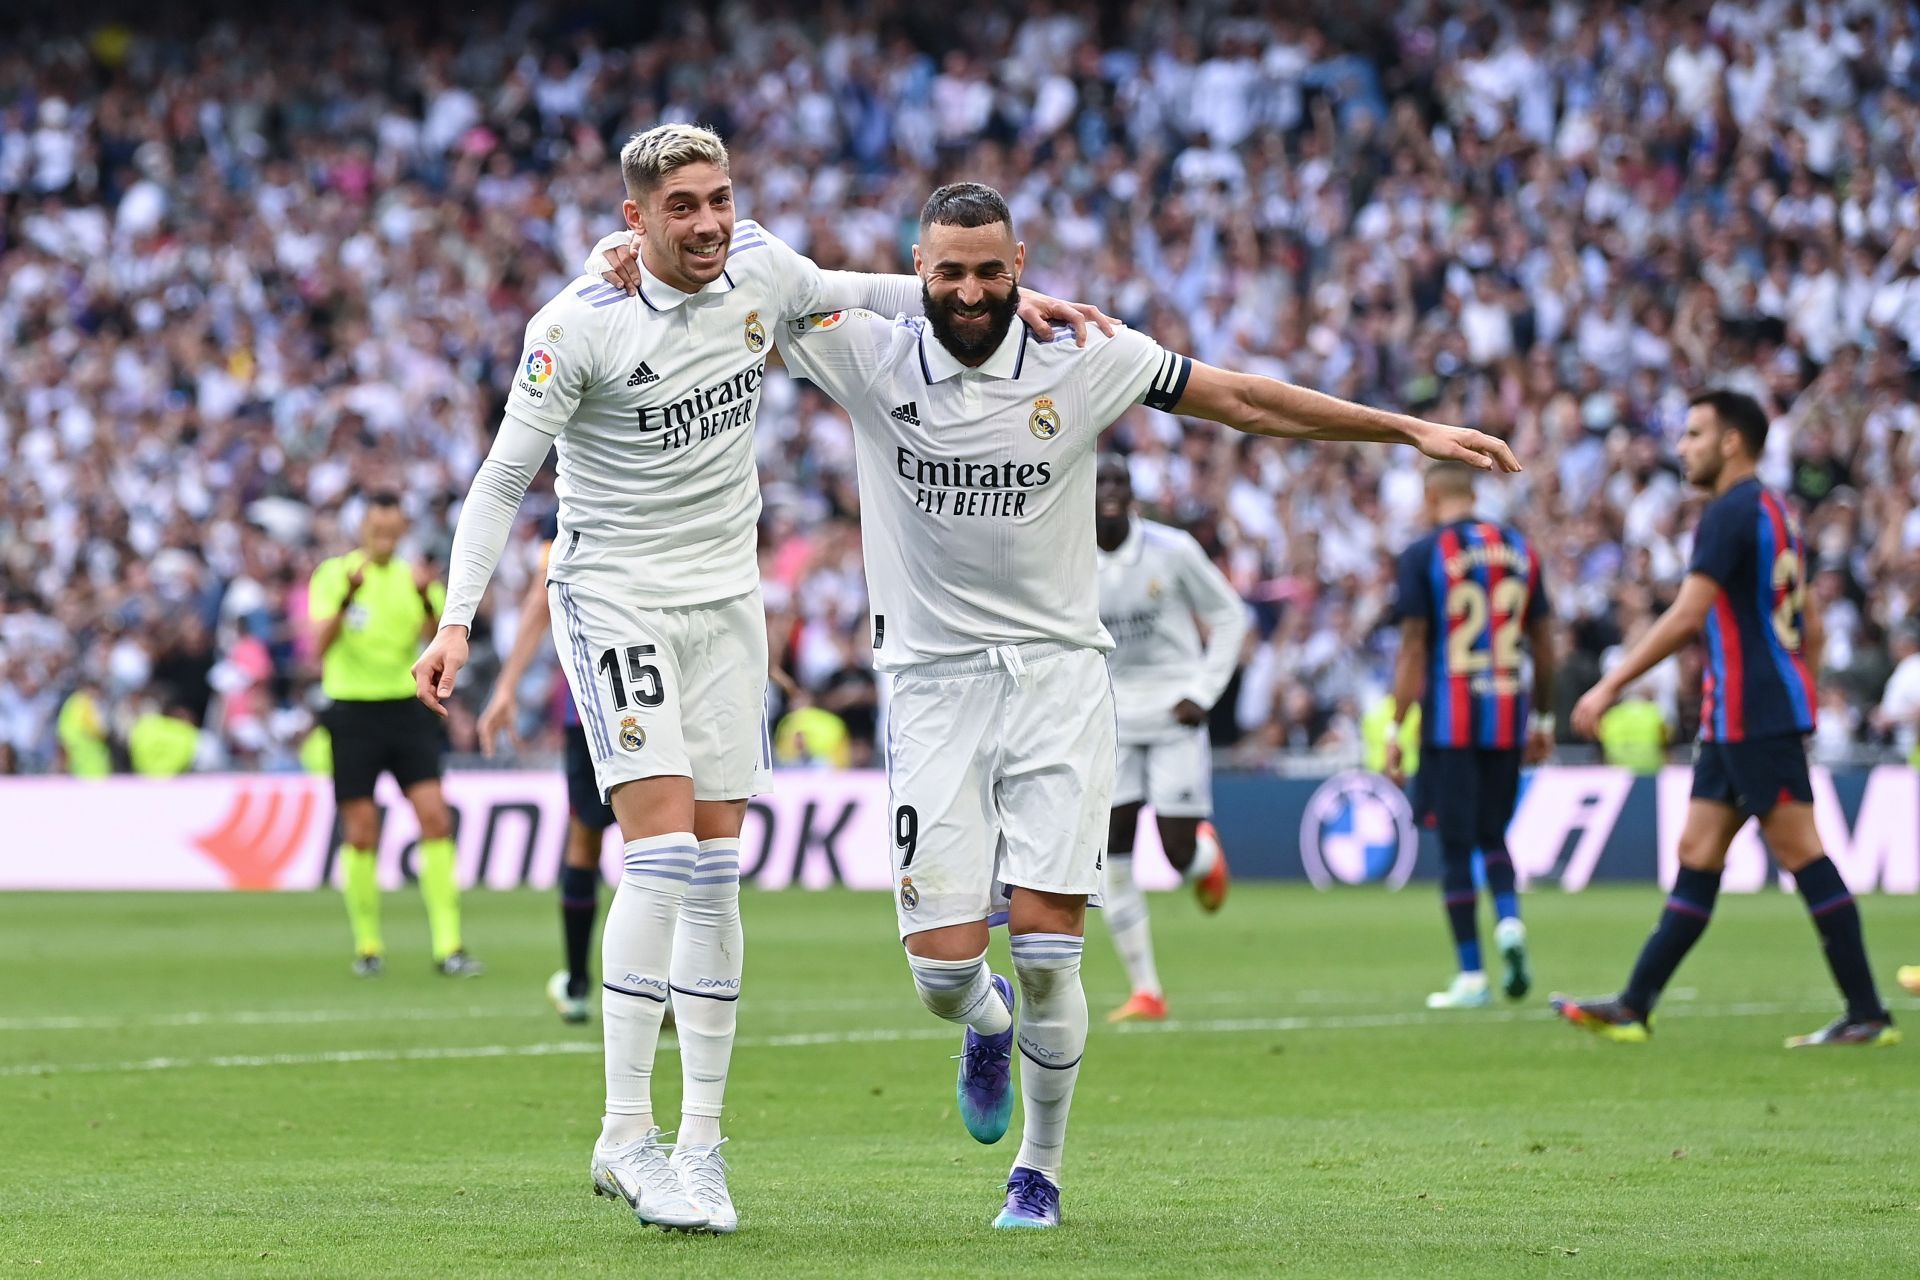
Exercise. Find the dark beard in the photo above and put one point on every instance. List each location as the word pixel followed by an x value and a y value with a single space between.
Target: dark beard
pixel 970 351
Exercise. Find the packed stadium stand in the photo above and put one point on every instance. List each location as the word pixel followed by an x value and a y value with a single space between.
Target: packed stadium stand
pixel 253 268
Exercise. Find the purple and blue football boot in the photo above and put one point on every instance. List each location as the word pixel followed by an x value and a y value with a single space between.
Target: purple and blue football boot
pixel 985 1087
pixel 1032 1201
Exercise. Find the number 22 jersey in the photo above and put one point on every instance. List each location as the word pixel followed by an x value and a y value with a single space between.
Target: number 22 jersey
pixel 1477 585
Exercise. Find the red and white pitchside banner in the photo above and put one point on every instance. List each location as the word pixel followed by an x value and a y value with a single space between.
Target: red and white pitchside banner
pixel 275 831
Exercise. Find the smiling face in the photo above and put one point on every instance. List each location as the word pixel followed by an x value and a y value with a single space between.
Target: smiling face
pixel 971 289
pixel 687 219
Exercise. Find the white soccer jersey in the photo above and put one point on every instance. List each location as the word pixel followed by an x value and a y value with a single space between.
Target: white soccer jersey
pixel 976 485
pixel 651 400
pixel 1151 588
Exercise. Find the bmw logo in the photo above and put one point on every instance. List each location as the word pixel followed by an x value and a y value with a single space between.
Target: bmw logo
pixel 1358 829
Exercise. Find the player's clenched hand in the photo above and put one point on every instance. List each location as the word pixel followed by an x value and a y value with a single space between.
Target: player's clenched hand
pixel 1464 444
pixel 1539 747
pixel 434 673
pixel 1592 705
pixel 501 716
pixel 1042 312
pixel 623 264
pixel 1189 712
pixel 1392 767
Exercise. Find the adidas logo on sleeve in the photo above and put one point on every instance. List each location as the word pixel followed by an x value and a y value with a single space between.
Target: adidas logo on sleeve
pixel 908 413
pixel 642 376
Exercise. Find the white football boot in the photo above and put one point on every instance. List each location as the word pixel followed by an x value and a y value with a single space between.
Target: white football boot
pixel 704 1174
pixel 640 1173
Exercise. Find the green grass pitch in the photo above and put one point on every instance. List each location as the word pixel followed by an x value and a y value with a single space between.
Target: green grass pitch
pixel 195 1086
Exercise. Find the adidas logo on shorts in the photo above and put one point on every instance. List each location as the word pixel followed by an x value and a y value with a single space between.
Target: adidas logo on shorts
pixel 908 413
pixel 642 376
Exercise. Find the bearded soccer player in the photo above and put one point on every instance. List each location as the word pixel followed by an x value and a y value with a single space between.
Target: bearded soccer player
pixel 369 609
pixel 1468 592
pixel 650 401
pixel 1745 590
pixel 1155 581
pixel 975 448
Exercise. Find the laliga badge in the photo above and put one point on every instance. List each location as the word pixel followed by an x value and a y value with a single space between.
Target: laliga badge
pixel 756 333
pixel 1045 419
pixel 632 736
pixel 909 896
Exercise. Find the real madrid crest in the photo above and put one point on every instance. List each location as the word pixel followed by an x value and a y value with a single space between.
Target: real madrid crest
pixel 632 736
pixel 909 896
pixel 756 333
pixel 1044 421
pixel 1153 588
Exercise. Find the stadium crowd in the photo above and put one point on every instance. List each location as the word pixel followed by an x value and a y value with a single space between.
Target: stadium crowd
pixel 252 270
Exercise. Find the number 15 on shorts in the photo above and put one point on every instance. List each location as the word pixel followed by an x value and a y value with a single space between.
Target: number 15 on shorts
pixel 642 676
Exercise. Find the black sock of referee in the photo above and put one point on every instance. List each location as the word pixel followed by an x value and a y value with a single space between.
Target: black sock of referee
pixel 1837 918
pixel 579 887
pixel 1462 903
pixel 1689 908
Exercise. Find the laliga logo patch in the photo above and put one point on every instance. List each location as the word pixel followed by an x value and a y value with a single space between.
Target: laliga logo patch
pixel 756 333
pixel 1044 422
pixel 632 736
pixel 909 896
pixel 537 372
pixel 1358 828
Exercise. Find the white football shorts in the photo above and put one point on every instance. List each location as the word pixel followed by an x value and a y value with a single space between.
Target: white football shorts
pixel 680 691
pixel 1000 769
pixel 1174 775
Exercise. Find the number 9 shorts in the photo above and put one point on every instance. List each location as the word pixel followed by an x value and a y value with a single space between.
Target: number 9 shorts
pixel 677 691
pixel 1000 769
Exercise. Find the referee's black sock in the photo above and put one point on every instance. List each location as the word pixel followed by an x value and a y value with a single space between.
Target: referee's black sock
pixel 1837 918
pixel 1689 908
pixel 579 903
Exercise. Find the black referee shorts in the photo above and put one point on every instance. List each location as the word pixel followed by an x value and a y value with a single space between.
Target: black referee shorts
pixel 401 737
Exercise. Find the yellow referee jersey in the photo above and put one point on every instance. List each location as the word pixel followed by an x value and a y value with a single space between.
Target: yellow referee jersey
pixel 372 660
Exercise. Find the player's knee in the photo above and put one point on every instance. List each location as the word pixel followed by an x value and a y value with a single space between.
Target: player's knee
pixel 360 826
pixel 945 987
pixel 1045 963
pixel 436 823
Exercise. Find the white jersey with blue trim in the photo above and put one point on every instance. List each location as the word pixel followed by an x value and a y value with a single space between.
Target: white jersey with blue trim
pixel 976 484
pixel 651 400
pixel 1153 588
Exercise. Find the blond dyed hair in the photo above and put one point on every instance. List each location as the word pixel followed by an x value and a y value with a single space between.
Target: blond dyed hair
pixel 649 157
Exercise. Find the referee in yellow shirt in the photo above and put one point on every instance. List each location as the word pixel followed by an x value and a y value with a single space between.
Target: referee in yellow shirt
pixel 370 609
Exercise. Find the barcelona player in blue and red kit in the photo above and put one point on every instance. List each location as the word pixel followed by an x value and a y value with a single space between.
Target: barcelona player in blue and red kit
pixel 1468 593
pixel 1743 595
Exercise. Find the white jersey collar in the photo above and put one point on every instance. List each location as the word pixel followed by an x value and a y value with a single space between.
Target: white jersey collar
pixel 938 364
pixel 661 296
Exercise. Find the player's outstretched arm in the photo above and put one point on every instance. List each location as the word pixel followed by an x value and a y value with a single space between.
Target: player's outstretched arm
pixel 616 259
pixel 1679 624
pixel 478 539
pixel 1269 407
pixel 503 708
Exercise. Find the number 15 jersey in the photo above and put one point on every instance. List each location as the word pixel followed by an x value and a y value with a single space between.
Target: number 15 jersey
pixel 1477 585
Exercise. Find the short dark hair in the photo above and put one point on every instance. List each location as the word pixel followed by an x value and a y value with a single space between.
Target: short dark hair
pixel 1737 411
pixel 384 498
pixel 965 204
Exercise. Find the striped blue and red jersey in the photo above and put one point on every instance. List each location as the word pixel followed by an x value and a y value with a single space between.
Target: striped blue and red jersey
pixel 1757 683
pixel 1477 586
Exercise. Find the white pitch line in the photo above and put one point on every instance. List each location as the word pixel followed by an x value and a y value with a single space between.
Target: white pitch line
pixel 876 1035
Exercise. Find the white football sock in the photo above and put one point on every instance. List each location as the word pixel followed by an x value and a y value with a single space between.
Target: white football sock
pixel 636 947
pixel 1206 852
pixel 1126 912
pixel 707 954
pixel 961 991
pixel 1053 1036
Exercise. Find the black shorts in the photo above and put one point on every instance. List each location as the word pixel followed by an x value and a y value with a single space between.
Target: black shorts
pixel 1755 776
pixel 401 737
pixel 1467 794
pixel 583 790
